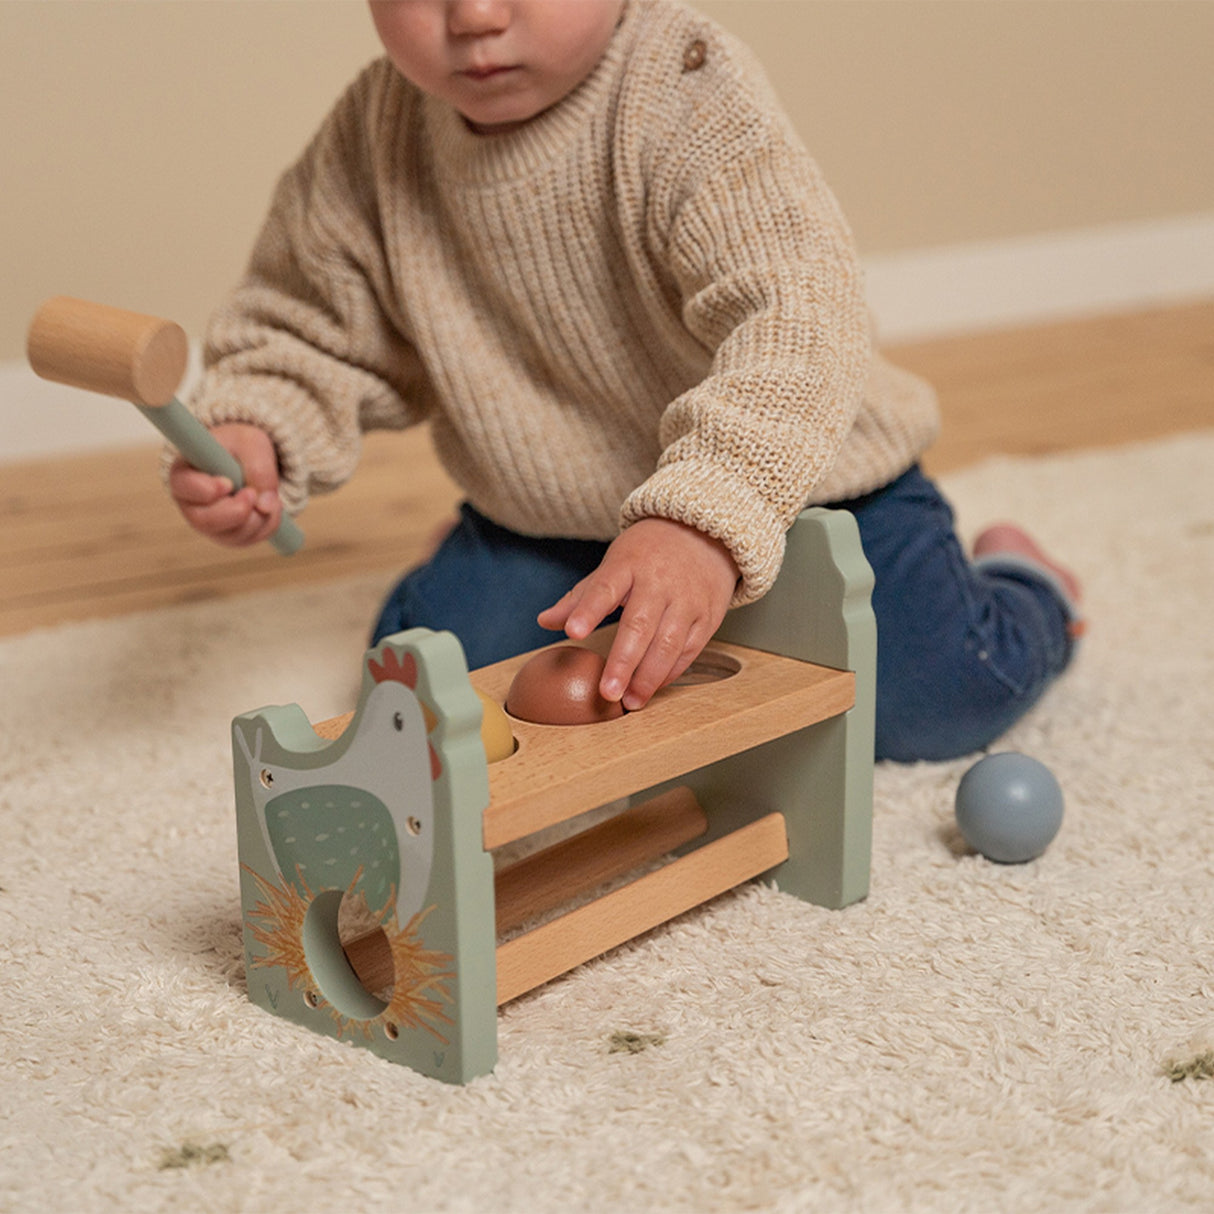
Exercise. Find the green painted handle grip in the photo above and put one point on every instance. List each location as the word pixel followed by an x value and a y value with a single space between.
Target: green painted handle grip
pixel 203 450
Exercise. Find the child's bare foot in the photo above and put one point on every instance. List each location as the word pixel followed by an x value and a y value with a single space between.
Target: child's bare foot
pixel 1008 539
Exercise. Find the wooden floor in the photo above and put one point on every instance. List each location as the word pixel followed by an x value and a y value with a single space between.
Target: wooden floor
pixel 95 535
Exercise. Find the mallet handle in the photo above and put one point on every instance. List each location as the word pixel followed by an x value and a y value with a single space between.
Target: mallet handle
pixel 201 448
pixel 137 358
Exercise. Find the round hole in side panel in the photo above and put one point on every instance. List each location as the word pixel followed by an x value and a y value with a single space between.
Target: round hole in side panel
pixel 339 980
pixel 366 944
pixel 712 666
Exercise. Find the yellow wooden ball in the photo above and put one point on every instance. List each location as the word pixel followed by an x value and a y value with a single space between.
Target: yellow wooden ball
pixel 495 729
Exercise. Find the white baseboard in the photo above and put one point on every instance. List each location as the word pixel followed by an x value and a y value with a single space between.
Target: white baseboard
pixel 39 419
pixel 969 287
pixel 914 295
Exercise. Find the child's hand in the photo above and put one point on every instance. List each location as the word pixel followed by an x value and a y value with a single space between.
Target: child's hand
pixel 674 584
pixel 210 506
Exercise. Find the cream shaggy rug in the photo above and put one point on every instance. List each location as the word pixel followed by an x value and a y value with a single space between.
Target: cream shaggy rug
pixel 972 1037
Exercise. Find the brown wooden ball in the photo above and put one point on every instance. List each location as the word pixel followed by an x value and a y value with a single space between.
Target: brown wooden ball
pixel 560 686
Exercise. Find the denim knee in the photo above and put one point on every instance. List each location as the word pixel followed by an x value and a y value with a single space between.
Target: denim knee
pixel 975 686
pixel 962 653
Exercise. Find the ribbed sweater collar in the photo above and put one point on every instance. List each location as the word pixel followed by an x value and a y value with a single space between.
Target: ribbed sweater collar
pixel 462 155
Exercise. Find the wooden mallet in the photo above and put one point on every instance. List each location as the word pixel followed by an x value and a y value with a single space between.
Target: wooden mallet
pixel 140 359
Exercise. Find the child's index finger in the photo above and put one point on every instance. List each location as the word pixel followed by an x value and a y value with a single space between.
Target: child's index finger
pixel 584 608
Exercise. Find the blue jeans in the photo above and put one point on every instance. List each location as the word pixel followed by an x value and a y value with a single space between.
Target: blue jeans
pixel 962 652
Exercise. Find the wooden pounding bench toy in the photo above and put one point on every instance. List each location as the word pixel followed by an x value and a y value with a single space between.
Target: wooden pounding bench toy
pixel 370 904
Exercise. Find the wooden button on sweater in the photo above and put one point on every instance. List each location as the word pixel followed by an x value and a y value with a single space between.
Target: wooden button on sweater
pixel 695 55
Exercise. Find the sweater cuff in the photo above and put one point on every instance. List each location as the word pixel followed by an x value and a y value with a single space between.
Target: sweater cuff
pixel 707 497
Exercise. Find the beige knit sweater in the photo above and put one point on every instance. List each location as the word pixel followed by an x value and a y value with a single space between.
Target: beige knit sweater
pixel 644 302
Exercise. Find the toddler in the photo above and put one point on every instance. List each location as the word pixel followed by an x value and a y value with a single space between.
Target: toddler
pixel 581 240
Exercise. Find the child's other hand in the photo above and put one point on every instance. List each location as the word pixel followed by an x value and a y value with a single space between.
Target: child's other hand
pixel 674 584
pixel 210 506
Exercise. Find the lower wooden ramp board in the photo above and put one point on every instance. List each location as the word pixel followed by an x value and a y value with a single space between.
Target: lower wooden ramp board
pixel 547 879
pixel 586 932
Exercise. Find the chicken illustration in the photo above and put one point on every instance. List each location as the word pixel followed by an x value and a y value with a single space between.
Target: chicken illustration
pixel 356 813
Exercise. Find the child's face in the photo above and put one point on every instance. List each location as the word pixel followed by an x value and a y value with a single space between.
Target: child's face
pixel 499 62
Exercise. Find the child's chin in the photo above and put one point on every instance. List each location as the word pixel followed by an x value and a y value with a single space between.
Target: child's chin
pixel 496 128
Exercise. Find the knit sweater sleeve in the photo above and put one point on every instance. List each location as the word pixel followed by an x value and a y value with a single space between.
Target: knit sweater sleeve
pixel 307 347
pixel 769 284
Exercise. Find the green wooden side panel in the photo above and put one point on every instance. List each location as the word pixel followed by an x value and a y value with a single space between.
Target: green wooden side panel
pixel 820 778
pixel 386 821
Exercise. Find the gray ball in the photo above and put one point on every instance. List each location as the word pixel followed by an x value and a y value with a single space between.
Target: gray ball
pixel 1009 807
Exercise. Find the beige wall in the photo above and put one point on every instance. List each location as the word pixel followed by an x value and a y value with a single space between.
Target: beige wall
pixel 139 141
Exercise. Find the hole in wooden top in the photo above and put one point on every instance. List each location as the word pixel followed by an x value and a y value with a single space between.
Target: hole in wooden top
pixel 711 666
